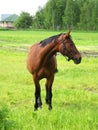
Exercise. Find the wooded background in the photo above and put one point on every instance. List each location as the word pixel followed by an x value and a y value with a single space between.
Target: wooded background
pixel 67 14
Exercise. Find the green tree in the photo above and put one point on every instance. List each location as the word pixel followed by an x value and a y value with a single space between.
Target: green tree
pixel 95 16
pixel 48 16
pixel 68 14
pixel 83 16
pixel 89 15
pixel 38 20
pixel 71 14
pixel 53 13
pixel 24 21
pixel 59 12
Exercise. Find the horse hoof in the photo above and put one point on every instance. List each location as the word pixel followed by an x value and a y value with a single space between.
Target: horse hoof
pixel 50 108
pixel 35 109
pixel 40 107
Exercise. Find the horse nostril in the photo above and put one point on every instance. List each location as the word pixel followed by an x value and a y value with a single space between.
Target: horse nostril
pixel 77 60
pixel 80 59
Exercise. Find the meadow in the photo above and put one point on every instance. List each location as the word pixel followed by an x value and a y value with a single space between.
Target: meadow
pixel 75 88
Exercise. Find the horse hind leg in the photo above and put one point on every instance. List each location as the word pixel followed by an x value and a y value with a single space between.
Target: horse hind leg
pixel 38 102
pixel 49 83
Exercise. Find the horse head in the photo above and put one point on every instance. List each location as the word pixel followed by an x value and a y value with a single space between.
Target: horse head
pixel 68 48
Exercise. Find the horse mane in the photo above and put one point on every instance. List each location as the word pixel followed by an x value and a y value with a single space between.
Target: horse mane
pixel 49 40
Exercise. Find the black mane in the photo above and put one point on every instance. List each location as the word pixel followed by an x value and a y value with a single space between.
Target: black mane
pixel 49 40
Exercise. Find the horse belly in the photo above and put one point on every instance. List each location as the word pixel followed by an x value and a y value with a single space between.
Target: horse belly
pixel 48 69
pixel 52 64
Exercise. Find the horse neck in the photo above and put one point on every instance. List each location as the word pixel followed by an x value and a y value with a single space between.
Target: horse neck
pixel 48 51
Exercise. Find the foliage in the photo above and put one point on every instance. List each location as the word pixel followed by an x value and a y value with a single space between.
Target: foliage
pixel 69 14
pixel 89 15
pixel 23 21
pixel 62 14
pixel 5 122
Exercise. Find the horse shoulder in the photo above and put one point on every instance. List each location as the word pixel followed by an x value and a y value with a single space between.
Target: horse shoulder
pixel 32 58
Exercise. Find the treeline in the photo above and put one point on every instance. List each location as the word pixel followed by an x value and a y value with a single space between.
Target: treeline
pixel 67 14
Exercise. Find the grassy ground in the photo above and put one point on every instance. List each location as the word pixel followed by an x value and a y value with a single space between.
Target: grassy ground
pixel 28 37
pixel 75 89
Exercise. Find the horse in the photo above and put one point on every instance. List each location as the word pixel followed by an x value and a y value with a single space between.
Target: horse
pixel 42 63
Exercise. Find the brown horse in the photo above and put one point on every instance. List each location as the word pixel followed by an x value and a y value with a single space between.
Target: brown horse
pixel 41 62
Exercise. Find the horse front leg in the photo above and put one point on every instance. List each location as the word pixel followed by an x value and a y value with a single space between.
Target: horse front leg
pixel 49 83
pixel 38 102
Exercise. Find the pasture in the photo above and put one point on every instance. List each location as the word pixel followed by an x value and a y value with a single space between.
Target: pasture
pixel 75 88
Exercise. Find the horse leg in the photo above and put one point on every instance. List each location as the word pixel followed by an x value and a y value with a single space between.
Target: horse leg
pixel 38 102
pixel 49 83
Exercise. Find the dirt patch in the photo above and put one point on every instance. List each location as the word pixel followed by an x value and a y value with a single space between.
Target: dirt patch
pixel 85 53
pixel 89 53
pixel 91 89
pixel 14 48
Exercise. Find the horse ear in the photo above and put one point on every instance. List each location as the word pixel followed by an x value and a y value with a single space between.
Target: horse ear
pixel 67 34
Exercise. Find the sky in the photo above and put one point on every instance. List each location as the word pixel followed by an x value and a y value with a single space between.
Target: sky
pixel 17 6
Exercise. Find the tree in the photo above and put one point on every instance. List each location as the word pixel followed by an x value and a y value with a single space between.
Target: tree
pixel 48 16
pixel 38 20
pixel 95 15
pixel 54 11
pixel 24 21
pixel 59 12
pixel 68 14
pixel 89 15
pixel 71 14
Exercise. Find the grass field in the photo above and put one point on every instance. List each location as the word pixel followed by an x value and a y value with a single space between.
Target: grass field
pixel 75 89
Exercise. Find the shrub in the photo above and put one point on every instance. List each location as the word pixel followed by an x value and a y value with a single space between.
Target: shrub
pixel 5 122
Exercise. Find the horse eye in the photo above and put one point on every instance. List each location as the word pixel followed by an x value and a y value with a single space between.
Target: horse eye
pixel 71 44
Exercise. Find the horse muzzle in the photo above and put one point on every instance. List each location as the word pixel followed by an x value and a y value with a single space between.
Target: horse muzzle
pixel 77 60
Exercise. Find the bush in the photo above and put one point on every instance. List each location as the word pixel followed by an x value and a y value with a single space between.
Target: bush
pixel 5 122
pixel 24 21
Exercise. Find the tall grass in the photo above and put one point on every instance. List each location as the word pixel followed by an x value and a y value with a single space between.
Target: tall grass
pixel 75 94
pixel 75 88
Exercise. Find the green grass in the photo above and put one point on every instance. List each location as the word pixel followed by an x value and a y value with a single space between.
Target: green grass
pixel 75 88
pixel 28 37
pixel 75 94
